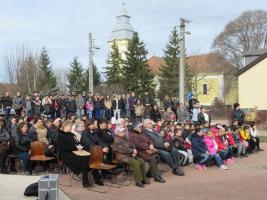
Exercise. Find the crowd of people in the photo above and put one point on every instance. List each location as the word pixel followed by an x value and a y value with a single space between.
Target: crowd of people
pixel 132 130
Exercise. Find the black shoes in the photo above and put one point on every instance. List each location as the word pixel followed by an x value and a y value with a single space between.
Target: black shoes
pixel 146 181
pixel 178 172
pixel 100 183
pixel 159 179
pixel 86 184
pixel 140 184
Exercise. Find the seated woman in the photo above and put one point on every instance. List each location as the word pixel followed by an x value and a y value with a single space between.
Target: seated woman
pixel 4 146
pixel 23 146
pixel 146 150
pixel 66 145
pixel 126 152
pixel 38 132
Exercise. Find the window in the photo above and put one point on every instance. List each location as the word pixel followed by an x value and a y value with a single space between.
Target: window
pixel 205 89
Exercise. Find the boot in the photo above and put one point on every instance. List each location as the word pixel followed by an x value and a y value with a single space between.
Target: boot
pixel 85 179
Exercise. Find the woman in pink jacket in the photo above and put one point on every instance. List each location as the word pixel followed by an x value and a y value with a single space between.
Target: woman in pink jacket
pixel 212 148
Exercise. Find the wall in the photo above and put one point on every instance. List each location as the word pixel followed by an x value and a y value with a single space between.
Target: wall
pixel 252 87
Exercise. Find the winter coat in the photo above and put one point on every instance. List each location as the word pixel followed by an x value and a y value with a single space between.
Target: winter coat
pixel 105 137
pixel 72 106
pixel 178 143
pixel 155 115
pixel 123 148
pixel 238 115
pixel 182 115
pixel 142 143
pixel 201 118
pixel 37 107
pixel 230 139
pixel 198 145
pixel 22 143
pixel 55 104
pixel 221 145
pixel 108 104
pixel 66 143
pixel 4 139
pixel 89 139
pixel 89 106
pixel 156 139
pixel 132 102
pixel 80 102
pixel 167 104
pixel 244 135
pixel 6 101
pixel 147 100
pixel 117 104
pixel 17 102
pixel 139 110
pixel 211 144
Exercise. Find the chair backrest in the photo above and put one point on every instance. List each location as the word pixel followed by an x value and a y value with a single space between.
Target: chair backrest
pixel 97 155
pixel 37 148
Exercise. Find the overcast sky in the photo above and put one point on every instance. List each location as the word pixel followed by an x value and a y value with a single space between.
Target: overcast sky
pixel 62 26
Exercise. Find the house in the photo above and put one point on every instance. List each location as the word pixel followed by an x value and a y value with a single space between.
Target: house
pixel 212 77
pixel 252 83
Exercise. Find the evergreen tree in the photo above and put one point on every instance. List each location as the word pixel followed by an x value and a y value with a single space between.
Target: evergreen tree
pixel 137 74
pixel 47 78
pixel 114 62
pixel 76 81
pixel 169 72
pixel 96 77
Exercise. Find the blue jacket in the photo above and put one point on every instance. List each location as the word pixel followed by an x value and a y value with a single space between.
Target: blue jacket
pixel 198 145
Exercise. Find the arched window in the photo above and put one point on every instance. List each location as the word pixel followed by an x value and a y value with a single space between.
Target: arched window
pixel 205 89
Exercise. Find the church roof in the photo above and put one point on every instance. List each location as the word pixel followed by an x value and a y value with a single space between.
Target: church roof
pixel 123 28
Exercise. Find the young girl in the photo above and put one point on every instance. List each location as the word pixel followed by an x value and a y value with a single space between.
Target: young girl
pixel 199 150
pixel 212 148
pixel 254 136
pixel 89 106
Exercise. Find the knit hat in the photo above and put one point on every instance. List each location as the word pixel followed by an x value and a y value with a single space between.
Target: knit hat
pixel 136 125
pixel 214 130
pixel 119 130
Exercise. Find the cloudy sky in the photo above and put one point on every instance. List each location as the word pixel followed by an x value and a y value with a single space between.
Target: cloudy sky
pixel 62 26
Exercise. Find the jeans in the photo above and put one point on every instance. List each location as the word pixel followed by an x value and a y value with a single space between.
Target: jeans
pixel 171 158
pixel 241 149
pixel 117 113
pixel 80 112
pixel 109 114
pixel 217 159
pixel 7 113
pixel 204 157
pixel 223 154
pixel 90 114
pixel 25 157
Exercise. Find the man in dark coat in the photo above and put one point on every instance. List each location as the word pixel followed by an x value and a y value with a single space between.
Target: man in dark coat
pixel 238 114
pixel 166 153
pixel 7 105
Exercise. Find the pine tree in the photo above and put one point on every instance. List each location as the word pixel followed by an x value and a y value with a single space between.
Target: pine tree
pixel 76 81
pixel 169 72
pixel 96 77
pixel 114 70
pixel 137 74
pixel 46 78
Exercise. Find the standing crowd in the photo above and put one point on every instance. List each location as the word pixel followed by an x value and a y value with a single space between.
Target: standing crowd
pixel 126 128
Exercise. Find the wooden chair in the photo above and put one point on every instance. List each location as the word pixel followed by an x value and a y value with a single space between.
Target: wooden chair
pixel 38 153
pixel 96 163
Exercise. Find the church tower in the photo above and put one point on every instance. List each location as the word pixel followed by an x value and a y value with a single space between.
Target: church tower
pixel 122 32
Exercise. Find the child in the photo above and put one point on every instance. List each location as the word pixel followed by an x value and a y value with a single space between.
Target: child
pixel 199 150
pixel 225 153
pixel 245 137
pixel 254 136
pixel 212 148
pixel 178 142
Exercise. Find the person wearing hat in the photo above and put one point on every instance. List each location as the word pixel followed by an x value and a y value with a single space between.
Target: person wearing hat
pixel 145 150
pixel 166 153
pixel 126 152
pixel 238 114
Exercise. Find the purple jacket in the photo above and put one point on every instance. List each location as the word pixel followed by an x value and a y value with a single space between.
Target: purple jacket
pixel 132 102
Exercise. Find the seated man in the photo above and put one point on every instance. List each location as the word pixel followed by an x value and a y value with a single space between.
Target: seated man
pixel 167 154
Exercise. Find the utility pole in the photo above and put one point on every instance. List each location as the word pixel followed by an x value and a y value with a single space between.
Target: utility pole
pixel 182 62
pixel 90 67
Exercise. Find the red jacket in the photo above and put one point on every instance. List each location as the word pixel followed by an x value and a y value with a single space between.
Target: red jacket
pixel 219 142
pixel 230 138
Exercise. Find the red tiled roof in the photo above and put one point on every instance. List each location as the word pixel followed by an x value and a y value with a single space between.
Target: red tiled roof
pixel 205 63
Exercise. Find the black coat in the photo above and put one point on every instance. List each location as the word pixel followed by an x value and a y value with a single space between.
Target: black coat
pixel 238 115
pixel 72 106
pixel 22 143
pixel 89 139
pixel 155 115
pixel 198 145
pixel 66 143
pixel 105 137
pixel 120 104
